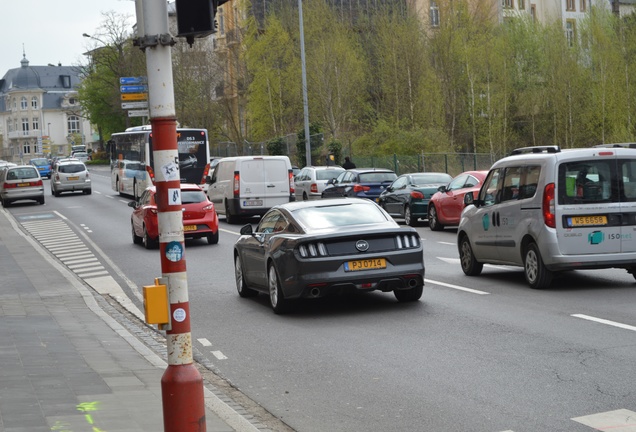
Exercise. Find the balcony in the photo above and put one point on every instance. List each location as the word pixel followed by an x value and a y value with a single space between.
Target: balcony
pixel 24 134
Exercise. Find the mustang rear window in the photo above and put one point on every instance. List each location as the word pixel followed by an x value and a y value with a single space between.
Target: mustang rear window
pixel 339 215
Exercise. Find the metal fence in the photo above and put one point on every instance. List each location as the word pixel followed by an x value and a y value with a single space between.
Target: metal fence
pixel 451 163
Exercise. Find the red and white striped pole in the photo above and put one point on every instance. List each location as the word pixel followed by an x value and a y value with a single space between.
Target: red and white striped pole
pixel 181 384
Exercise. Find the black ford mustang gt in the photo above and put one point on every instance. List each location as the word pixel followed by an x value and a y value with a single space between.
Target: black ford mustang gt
pixel 309 249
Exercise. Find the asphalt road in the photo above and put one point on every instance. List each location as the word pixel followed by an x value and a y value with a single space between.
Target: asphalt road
pixel 475 354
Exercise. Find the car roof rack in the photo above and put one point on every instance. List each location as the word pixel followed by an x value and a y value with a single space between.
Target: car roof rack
pixel 536 149
pixel 616 145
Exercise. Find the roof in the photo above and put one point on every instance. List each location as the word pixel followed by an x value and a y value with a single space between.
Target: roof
pixel 54 81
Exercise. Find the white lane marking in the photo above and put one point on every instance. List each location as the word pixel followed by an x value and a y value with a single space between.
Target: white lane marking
pixel 204 342
pixel 109 196
pixel 457 287
pixel 604 321
pixel 97 192
pixel 498 267
pixel 622 420
pixel 219 355
pixel 447 243
pixel 124 201
pixel 230 232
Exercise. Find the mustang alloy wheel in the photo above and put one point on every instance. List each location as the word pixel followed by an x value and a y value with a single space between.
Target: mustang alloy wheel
pixel 278 301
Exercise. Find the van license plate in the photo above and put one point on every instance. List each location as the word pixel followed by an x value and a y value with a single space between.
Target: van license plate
pixel 579 221
pixel 251 203
pixel 368 264
pixel 189 227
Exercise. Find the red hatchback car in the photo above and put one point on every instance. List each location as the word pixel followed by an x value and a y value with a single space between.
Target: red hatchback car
pixel 446 205
pixel 199 217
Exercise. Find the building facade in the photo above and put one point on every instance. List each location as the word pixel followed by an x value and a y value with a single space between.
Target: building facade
pixel 40 114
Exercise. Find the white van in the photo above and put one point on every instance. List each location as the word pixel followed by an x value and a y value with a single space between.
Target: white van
pixel 550 210
pixel 245 186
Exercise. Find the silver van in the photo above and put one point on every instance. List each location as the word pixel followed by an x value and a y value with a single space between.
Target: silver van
pixel 550 210
pixel 246 186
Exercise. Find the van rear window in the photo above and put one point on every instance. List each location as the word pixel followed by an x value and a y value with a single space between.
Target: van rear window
pixel 597 181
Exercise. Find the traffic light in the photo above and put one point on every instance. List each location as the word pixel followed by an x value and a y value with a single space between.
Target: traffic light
pixel 195 18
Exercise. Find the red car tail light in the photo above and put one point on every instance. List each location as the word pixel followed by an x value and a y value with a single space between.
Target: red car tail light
pixel 39 182
pixel 359 188
pixel 313 188
pixel 209 207
pixel 292 188
pixel 417 195
pixel 10 185
pixel 549 217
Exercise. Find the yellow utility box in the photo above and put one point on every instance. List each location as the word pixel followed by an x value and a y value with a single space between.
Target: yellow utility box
pixel 156 305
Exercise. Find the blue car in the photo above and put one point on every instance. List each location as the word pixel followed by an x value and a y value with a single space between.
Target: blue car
pixel 359 182
pixel 43 166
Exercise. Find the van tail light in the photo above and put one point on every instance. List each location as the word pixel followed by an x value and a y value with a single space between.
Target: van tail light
pixel 313 188
pixel 417 195
pixel 292 186
pixel 359 188
pixel 549 216
pixel 206 171
pixel 151 174
pixel 237 184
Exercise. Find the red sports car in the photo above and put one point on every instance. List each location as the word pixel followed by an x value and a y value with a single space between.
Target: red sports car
pixel 199 217
pixel 446 205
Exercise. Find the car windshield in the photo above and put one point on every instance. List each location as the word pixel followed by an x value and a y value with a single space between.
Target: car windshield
pixel 22 173
pixel 71 168
pixel 39 162
pixel 377 177
pixel 431 178
pixel 80 155
pixel 327 174
pixel 338 215
pixel 192 196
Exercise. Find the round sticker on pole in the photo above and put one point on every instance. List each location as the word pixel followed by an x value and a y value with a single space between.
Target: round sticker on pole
pixel 174 251
pixel 179 315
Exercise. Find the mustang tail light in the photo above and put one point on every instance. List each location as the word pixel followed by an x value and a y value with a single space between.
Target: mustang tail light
pixel 311 250
pixel 405 241
pixel 313 188
pixel 359 188
pixel 417 195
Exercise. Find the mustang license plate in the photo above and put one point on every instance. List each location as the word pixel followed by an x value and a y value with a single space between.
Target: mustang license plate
pixel 253 202
pixel 189 227
pixel 73 178
pixel 580 221
pixel 367 264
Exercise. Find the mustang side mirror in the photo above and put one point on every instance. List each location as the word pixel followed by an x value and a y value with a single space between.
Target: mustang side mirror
pixel 247 230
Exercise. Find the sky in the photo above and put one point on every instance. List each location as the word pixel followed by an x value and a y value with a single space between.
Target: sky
pixel 50 31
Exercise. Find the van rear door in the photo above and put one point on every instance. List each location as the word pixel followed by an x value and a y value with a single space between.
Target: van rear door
pixel 264 182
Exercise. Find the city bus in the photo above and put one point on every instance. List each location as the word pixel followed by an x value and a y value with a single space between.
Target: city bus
pixel 131 159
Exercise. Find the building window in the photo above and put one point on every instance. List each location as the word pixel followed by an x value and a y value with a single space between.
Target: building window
pixel 533 12
pixel 509 4
pixel 26 148
pixel 71 101
pixel 570 32
pixel 36 123
pixel 25 126
pixel 73 124
pixel 66 81
pixel 522 4
pixel 221 22
pixel 23 103
pixel 434 14
pixel 9 126
pixel 582 6
pixel 34 102
pixel 15 106
pixel 570 5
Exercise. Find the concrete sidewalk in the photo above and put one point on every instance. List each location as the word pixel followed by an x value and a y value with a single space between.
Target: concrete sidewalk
pixel 65 364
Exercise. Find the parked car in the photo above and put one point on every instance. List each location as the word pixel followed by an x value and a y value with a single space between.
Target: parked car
pixel 70 175
pixel 549 210
pixel 20 182
pixel 199 216
pixel 407 197
pixel 445 207
pixel 246 186
pixel 359 182
pixel 43 165
pixel 310 249
pixel 312 180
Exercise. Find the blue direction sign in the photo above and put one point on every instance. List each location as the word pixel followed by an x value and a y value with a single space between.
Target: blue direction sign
pixel 132 80
pixel 133 88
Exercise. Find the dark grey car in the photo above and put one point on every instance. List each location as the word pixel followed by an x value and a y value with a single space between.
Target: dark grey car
pixel 309 249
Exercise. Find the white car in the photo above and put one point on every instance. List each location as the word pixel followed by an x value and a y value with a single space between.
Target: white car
pixel 311 180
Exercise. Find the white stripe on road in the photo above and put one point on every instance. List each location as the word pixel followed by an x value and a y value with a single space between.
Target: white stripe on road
pixel 447 243
pixel 219 355
pixel 457 287
pixel 205 342
pixel 604 321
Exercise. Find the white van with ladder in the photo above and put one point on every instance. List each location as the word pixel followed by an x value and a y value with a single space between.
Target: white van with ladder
pixel 245 186
pixel 550 210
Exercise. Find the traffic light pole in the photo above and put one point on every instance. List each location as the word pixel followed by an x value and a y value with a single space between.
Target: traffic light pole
pixel 181 384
